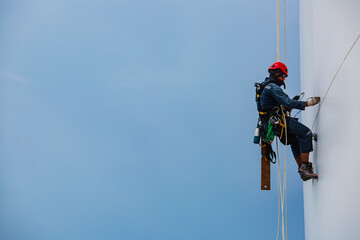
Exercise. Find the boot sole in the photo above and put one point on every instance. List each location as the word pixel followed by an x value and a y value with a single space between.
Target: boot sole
pixel 308 178
pixel 305 177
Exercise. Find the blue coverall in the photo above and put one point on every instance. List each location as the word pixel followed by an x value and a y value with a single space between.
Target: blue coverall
pixel 299 136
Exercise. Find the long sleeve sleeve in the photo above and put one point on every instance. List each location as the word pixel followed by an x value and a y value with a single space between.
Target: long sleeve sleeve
pixel 282 98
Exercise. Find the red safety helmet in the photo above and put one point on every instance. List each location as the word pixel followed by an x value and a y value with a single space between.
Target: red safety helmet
pixel 279 65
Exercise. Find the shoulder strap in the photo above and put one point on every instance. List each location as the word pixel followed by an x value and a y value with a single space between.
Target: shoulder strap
pixel 259 88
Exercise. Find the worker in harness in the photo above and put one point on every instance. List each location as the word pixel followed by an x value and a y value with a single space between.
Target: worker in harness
pixel 273 104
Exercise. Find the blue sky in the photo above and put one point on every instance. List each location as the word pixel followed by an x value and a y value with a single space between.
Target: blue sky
pixel 134 119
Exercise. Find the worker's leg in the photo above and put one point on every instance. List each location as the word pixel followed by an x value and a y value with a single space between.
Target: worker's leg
pixel 303 148
pixel 305 157
pixel 303 134
pixel 298 157
pixel 296 151
pixel 293 141
pixel 298 160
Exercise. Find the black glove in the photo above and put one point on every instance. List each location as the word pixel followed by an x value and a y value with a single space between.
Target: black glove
pixel 296 98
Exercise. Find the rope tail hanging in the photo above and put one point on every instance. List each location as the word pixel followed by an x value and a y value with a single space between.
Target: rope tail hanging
pixel 280 192
pixel 285 182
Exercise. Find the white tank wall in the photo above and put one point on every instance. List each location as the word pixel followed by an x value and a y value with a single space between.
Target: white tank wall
pixel 328 28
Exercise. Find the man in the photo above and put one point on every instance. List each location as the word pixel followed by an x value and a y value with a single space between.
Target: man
pixel 298 135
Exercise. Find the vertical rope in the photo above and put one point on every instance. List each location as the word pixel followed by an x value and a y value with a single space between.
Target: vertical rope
pixel 285 178
pixel 282 188
pixel 277 141
pixel 284 33
pixel 278 32
pixel 281 207
pixel 279 187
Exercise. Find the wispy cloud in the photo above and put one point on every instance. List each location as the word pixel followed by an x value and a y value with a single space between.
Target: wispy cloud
pixel 12 76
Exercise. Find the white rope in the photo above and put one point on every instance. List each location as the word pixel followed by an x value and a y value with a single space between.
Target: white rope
pixel 277 140
pixel 278 32
pixel 285 159
pixel 285 162
pixel 285 178
pixel 332 81
pixel 282 188
pixel 280 192
pixel 284 33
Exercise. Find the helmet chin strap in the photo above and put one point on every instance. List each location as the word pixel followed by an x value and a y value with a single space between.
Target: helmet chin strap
pixel 283 79
pixel 280 79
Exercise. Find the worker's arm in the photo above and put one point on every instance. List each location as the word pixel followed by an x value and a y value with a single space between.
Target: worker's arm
pixel 283 99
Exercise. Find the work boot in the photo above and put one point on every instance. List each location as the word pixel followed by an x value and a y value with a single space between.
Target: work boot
pixel 303 177
pixel 306 171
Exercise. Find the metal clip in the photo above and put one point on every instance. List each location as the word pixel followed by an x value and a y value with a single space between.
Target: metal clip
pixel 274 120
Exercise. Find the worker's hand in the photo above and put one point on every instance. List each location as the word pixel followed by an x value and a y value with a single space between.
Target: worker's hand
pixel 296 98
pixel 313 101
